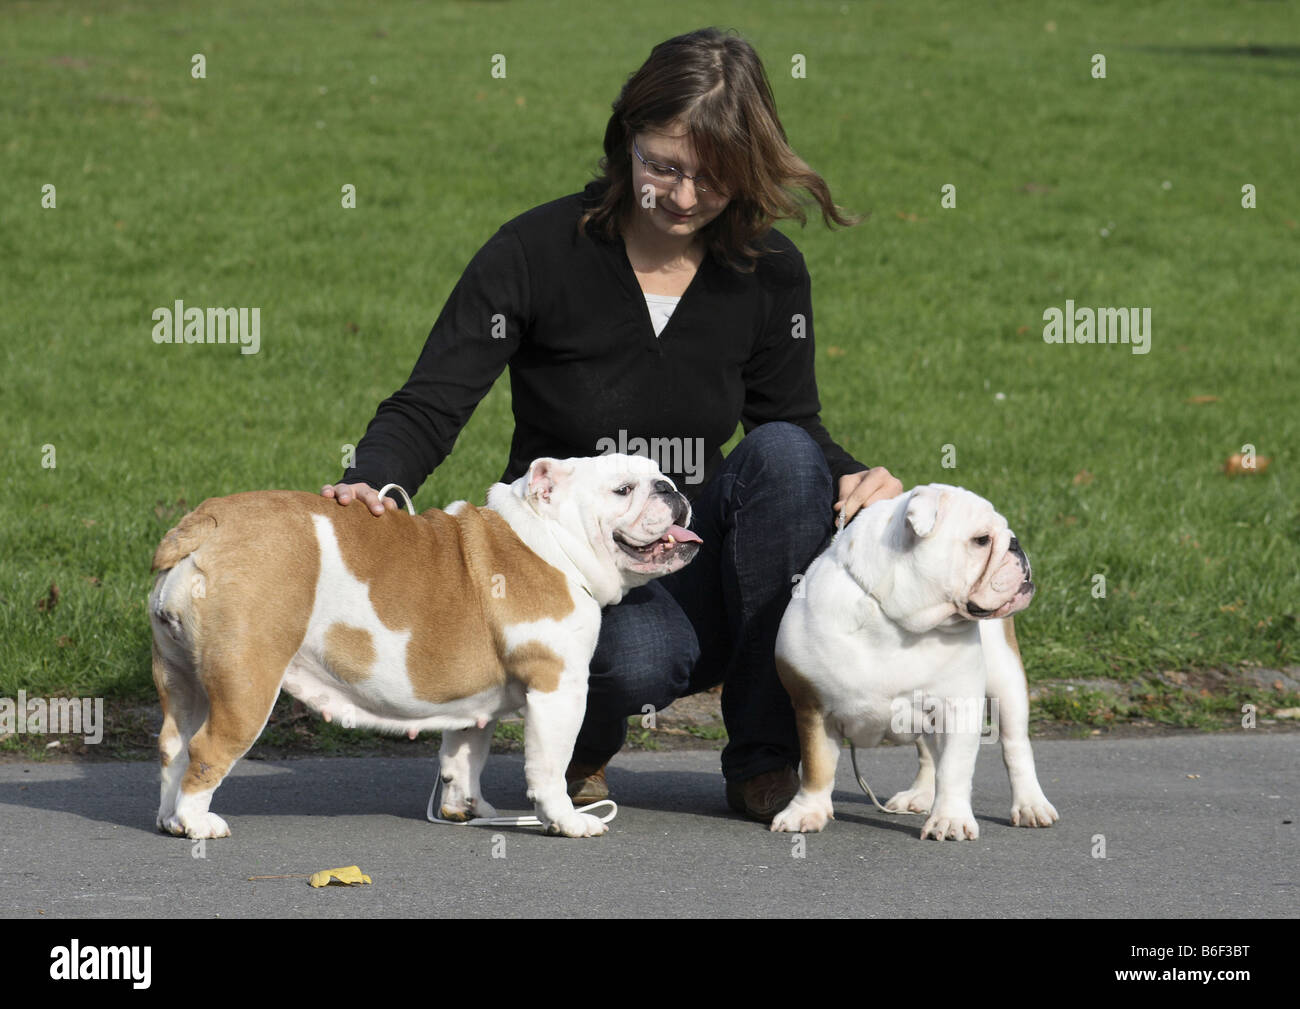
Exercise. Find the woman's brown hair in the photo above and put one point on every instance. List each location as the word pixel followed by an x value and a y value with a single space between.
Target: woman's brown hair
pixel 713 83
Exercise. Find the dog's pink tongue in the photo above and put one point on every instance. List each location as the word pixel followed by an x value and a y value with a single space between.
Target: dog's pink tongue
pixel 682 535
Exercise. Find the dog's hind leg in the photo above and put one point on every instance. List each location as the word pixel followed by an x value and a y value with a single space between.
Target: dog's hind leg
pixel 226 624
pixel 239 702
pixel 1006 684
pixel 184 708
pixel 239 676
pixel 184 703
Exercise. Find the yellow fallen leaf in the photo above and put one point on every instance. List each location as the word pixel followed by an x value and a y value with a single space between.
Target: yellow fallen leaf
pixel 347 876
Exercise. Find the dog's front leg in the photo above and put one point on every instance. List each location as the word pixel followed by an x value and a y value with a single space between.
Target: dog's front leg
pixel 920 797
pixel 461 758
pixel 819 745
pixel 551 723
pixel 951 816
pixel 1008 688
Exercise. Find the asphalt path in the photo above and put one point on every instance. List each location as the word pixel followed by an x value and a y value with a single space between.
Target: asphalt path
pixel 1196 826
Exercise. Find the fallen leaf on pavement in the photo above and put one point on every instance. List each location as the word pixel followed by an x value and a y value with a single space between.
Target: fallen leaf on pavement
pixel 347 876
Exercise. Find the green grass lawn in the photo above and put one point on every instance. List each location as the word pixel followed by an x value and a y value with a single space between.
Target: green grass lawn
pixel 226 191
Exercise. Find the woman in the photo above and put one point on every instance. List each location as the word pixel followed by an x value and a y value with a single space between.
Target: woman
pixel 660 304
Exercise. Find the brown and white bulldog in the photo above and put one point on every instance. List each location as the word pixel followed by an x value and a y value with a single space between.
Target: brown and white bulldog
pixel 443 620
pixel 901 629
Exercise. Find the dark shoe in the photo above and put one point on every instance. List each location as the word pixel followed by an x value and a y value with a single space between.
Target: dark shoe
pixel 764 795
pixel 586 783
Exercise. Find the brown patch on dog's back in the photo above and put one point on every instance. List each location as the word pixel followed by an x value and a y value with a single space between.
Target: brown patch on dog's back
pixel 434 575
pixel 533 589
pixel 349 653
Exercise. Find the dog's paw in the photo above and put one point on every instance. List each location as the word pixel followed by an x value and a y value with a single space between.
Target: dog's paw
pixel 1033 811
pixel 482 808
pixel 577 825
pixel 467 809
pixel 913 800
pixel 803 815
pixel 196 827
pixel 951 825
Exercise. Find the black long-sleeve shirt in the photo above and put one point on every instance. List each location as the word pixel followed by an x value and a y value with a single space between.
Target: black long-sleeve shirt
pixel 565 313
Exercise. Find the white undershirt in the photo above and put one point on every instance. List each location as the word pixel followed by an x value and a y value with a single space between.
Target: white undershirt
pixel 661 309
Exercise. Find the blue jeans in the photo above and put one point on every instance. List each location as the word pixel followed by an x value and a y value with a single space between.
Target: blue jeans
pixel 763 518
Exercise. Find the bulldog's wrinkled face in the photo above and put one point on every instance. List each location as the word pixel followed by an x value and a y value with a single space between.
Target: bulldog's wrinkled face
pixel 632 516
pixel 960 553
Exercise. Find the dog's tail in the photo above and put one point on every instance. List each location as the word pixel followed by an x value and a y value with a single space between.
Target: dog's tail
pixel 178 584
pixel 183 539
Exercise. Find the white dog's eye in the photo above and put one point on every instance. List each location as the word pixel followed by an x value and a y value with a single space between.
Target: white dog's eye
pixel 980 541
pixel 624 491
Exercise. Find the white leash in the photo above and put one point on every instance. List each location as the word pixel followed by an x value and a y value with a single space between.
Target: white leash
pixel 491 821
pixel 853 755
pixel 510 821
pixel 401 490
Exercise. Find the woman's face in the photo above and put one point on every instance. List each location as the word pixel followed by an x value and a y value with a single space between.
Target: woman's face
pixel 679 209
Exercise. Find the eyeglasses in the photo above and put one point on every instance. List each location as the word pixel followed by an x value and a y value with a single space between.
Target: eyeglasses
pixel 671 176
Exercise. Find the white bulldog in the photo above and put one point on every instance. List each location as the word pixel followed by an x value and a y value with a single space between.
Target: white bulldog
pixel 912 602
pixel 444 620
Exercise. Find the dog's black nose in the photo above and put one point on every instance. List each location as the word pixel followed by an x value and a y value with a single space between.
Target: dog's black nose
pixel 1014 548
pixel 664 487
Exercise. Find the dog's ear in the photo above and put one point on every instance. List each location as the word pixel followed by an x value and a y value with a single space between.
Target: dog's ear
pixel 543 476
pixel 923 510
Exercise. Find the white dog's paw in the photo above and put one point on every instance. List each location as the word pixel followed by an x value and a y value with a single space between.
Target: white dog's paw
pixel 577 825
pixel 481 807
pixel 803 815
pixel 1033 811
pixel 196 827
pixel 951 825
pixel 913 800
pixel 462 810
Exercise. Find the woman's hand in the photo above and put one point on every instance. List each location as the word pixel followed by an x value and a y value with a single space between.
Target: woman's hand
pixel 343 493
pixel 857 490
